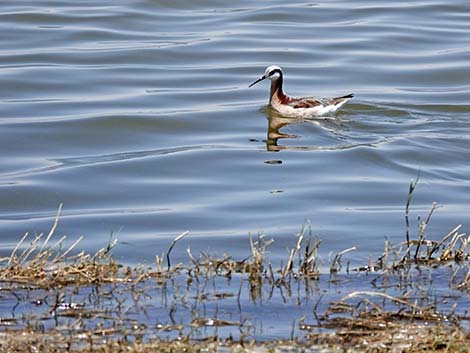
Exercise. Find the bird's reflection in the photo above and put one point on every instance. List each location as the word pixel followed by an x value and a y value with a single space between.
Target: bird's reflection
pixel 276 122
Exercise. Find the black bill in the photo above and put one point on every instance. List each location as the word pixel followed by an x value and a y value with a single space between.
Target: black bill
pixel 258 80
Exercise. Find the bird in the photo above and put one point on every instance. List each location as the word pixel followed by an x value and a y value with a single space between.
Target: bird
pixel 302 107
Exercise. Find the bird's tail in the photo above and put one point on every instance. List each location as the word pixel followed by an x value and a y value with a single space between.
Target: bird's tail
pixel 339 101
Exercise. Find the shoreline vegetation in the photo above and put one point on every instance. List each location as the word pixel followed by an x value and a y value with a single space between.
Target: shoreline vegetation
pixel 64 300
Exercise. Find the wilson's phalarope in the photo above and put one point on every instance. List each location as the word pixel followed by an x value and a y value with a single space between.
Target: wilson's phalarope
pixel 304 107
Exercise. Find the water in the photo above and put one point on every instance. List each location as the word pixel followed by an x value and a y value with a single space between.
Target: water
pixel 137 117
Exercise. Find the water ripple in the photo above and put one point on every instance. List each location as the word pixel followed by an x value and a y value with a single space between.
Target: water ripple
pixel 62 163
pixel 93 95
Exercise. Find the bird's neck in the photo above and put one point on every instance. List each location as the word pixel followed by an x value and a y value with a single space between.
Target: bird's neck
pixel 276 89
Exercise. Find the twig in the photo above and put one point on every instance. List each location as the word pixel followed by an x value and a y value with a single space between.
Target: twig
pixel 173 243
pixel 290 262
pixel 383 295
pixel 25 254
pixel 336 264
pixel 191 257
pixel 407 208
pixel 16 247
pixel 422 228
pixel 61 256
pixel 451 233
pixel 54 226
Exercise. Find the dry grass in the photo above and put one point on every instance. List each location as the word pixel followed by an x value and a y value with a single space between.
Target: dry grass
pixel 387 333
pixel 365 335
pixel 405 319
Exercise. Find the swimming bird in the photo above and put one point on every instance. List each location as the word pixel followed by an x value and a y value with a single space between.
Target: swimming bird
pixel 304 107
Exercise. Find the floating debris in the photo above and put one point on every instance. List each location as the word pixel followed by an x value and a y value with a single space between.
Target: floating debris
pixel 273 161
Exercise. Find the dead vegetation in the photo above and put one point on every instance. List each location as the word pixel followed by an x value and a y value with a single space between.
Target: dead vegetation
pixel 71 301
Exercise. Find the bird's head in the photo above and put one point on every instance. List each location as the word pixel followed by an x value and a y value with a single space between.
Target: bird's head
pixel 272 73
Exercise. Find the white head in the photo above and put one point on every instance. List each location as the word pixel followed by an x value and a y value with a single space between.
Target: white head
pixel 272 73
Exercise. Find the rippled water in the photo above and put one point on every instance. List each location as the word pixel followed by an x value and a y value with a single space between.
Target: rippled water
pixel 137 117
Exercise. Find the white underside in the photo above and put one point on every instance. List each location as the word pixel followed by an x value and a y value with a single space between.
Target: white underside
pixel 320 110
